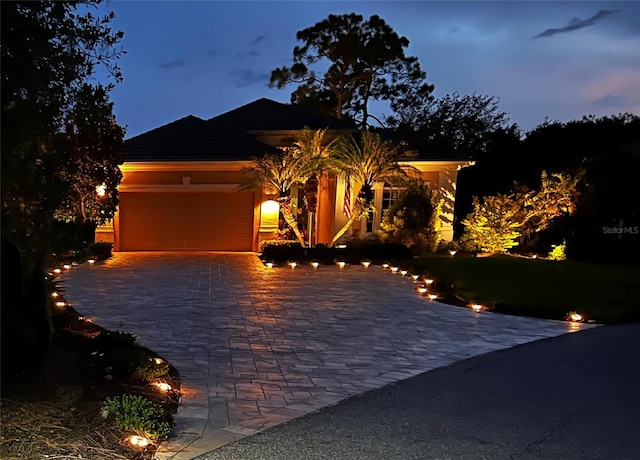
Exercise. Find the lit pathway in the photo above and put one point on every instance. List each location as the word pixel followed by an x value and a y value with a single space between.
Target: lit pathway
pixel 257 347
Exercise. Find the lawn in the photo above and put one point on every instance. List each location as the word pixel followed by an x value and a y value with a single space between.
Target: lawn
pixel 542 288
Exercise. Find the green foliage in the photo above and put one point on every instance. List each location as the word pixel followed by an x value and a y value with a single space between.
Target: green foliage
pixel 149 370
pixel 138 414
pixel 101 250
pixel 558 251
pixel 414 220
pixel 492 226
pixel 50 50
pixel 366 62
pixel 366 161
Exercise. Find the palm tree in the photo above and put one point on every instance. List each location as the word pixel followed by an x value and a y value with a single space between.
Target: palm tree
pixel 280 170
pixel 366 162
pixel 313 145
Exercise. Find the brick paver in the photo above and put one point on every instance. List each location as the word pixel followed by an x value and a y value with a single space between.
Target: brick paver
pixel 256 347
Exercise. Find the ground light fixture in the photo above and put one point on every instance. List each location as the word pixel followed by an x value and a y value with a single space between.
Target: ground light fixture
pixel 422 290
pixel 432 296
pixel 55 294
pixel 158 361
pixel 385 266
pixel 575 317
pixel 403 272
pixel 162 386
pixel 476 307
pixel 452 252
pixel 366 263
pixel 269 264
pixel 66 267
pixel 341 264
pixel 292 265
pixel 91 261
pixel 315 264
pixel 394 269
pixel 61 304
pixel 57 271
pixel 138 441
pixel 428 280
pixel 415 277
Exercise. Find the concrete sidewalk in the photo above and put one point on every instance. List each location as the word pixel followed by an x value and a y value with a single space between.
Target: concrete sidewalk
pixel 257 347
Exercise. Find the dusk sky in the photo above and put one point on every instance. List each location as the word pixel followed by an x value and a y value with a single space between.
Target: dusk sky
pixel 556 60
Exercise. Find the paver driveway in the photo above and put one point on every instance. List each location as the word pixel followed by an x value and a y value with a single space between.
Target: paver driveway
pixel 256 347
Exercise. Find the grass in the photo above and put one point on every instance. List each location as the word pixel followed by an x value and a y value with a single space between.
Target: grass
pixel 541 288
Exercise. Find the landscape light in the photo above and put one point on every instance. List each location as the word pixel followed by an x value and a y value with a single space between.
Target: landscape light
pixel 57 271
pixel 341 264
pixel 452 252
pixel 314 264
pixel 422 290
pixel 432 296
pixel 162 386
pixel 575 317
pixel 292 264
pixel 61 303
pixel 158 360
pixel 403 272
pixel 385 265
pixel 269 264
pixel 394 269
pixel 101 190
pixel 415 277
pixel 54 294
pixel 477 307
pixel 138 441
pixel 91 261
pixel 66 266
pixel 428 280
pixel 366 263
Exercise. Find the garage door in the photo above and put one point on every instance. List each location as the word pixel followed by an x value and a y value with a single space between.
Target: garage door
pixel 220 221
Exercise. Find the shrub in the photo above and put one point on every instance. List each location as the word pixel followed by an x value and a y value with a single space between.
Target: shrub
pixel 101 250
pixel 283 251
pixel 138 414
pixel 414 220
pixel 492 225
pixel 558 251
pixel 149 370
pixel 353 254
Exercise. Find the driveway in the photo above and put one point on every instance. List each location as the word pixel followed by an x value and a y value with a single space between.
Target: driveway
pixel 256 347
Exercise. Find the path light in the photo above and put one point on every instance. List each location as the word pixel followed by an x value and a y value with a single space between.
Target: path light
pixel 162 386
pixel 57 271
pixel 403 272
pixel 428 280
pixel 269 264
pixel 314 264
pixel 61 304
pixel 158 361
pixel 366 263
pixel 54 294
pixel 575 317
pixel 91 261
pixel 66 267
pixel 385 265
pixel 394 269
pixel 422 290
pixel 138 441
pixel 292 265
pixel 432 296
pixel 452 252
pixel 341 264
pixel 476 307
pixel 415 277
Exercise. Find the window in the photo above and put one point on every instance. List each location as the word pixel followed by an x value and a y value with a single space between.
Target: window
pixel 383 201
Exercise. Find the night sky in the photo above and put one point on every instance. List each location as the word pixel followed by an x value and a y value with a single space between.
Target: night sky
pixel 555 60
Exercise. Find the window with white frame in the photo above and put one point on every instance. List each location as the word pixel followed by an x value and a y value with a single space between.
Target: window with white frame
pixel 384 199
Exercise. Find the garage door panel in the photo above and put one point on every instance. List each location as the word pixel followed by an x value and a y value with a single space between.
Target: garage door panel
pixel 186 221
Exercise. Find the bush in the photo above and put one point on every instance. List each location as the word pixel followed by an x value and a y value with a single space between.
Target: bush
pixel 414 220
pixel 149 370
pixel 101 250
pixel 138 414
pixel 353 253
pixel 493 225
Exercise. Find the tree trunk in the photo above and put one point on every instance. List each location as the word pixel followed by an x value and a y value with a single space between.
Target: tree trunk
pixel 357 210
pixel 285 208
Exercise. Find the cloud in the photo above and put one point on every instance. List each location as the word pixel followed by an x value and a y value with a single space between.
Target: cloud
pixel 258 39
pixel 612 100
pixel 247 77
pixel 576 24
pixel 247 54
pixel 172 64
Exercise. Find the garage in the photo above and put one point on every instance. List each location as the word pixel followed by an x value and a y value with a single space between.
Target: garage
pixel 184 221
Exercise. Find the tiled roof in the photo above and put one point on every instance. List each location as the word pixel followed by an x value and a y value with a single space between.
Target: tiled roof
pixel 226 136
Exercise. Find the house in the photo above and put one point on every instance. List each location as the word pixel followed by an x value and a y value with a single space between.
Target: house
pixel 179 186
